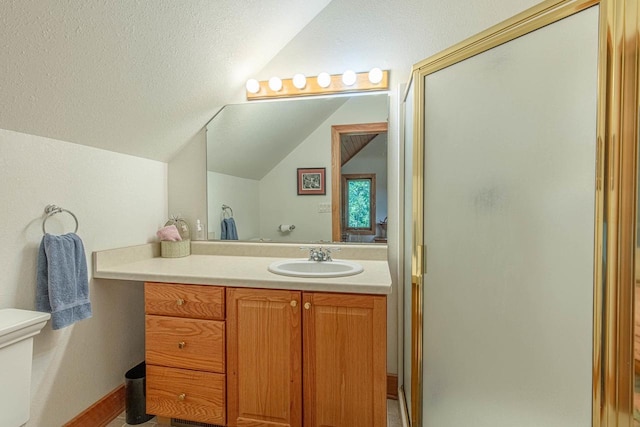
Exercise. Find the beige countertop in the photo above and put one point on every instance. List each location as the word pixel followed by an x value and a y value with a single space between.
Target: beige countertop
pixel 213 263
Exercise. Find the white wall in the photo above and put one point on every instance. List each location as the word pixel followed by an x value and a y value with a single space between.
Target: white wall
pixel 279 200
pixel 241 194
pixel 119 200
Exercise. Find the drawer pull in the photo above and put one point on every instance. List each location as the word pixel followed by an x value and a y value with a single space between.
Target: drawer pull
pixel 181 345
pixel 307 305
pixel 180 301
pixel 182 396
pixel 294 303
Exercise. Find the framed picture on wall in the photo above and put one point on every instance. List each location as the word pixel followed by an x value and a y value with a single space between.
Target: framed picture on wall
pixel 311 181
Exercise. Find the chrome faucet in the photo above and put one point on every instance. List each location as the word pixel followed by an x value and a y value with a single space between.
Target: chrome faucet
pixel 320 254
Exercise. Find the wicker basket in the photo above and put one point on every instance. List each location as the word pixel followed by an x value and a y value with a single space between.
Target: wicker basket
pixel 175 249
pixel 181 225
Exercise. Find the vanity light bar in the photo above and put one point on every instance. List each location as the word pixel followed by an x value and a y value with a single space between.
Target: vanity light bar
pixel 373 80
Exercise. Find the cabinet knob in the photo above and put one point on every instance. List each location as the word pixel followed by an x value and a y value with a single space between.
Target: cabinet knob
pixel 181 345
pixel 294 303
pixel 307 305
pixel 182 396
pixel 180 301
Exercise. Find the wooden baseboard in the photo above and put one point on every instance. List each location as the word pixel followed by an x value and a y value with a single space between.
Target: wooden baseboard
pixel 102 412
pixel 110 406
pixel 392 386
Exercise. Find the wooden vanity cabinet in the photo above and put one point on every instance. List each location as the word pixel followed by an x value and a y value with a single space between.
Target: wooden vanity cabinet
pixel 264 348
pixel 282 358
pixel 343 340
pixel 185 338
pixel 344 366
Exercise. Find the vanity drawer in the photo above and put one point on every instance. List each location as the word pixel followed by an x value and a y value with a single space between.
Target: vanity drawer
pixel 185 343
pixel 185 394
pixel 197 301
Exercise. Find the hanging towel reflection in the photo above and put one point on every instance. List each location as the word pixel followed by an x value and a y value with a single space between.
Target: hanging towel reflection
pixel 228 230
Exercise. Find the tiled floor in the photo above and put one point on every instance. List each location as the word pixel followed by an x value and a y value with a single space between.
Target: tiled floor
pixel 121 421
pixel 393 417
pixel 393 414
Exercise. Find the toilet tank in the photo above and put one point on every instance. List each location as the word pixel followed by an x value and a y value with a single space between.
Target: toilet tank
pixel 17 328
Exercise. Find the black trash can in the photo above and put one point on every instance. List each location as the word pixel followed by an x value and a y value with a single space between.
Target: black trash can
pixel 135 395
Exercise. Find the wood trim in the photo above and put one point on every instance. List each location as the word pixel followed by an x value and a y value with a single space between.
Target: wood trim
pixel 336 164
pixel 392 386
pixel 103 411
pixel 313 88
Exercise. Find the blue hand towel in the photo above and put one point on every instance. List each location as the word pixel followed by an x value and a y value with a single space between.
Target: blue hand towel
pixel 228 229
pixel 231 228
pixel 62 281
pixel 223 230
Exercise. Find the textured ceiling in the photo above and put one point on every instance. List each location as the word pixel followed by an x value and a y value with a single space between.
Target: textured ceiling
pixel 134 76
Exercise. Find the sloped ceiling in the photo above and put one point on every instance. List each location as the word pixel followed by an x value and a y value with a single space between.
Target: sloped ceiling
pixel 134 76
pixel 248 140
pixel 352 144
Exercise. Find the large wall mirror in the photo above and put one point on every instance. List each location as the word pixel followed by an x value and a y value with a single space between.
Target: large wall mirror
pixel 257 151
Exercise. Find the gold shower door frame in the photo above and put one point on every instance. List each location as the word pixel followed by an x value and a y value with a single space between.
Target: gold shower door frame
pixel 618 97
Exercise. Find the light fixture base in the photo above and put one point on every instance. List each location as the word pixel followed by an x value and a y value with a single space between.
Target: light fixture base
pixel 312 88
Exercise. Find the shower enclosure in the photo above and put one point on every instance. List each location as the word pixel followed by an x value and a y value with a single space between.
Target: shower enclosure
pixel 521 160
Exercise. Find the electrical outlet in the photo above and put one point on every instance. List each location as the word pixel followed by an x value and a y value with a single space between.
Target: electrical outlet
pixel 324 207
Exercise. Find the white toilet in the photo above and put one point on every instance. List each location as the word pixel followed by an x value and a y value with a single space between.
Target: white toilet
pixel 17 328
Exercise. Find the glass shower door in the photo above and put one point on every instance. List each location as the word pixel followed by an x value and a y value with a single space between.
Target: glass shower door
pixel 408 350
pixel 509 196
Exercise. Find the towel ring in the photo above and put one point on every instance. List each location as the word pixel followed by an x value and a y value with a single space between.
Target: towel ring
pixel 51 210
pixel 226 208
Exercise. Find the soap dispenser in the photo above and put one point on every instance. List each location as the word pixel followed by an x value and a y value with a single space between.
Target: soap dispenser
pixel 200 231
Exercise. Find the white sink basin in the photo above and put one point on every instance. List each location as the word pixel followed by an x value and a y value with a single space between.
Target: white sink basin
pixel 306 268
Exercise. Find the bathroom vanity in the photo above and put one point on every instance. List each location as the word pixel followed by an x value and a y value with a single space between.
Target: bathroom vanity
pixel 230 343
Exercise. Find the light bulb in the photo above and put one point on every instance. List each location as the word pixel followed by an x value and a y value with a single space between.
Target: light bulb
pixel 349 78
pixel 324 79
pixel 253 86
pixel 275 84
pixel 299 81
pixel 375 75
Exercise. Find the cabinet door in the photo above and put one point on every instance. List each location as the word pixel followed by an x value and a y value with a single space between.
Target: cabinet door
pixel 344 360
pixel 264 377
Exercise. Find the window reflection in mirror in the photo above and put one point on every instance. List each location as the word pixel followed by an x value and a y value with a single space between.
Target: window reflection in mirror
pixel 254 151
pixel 359 204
